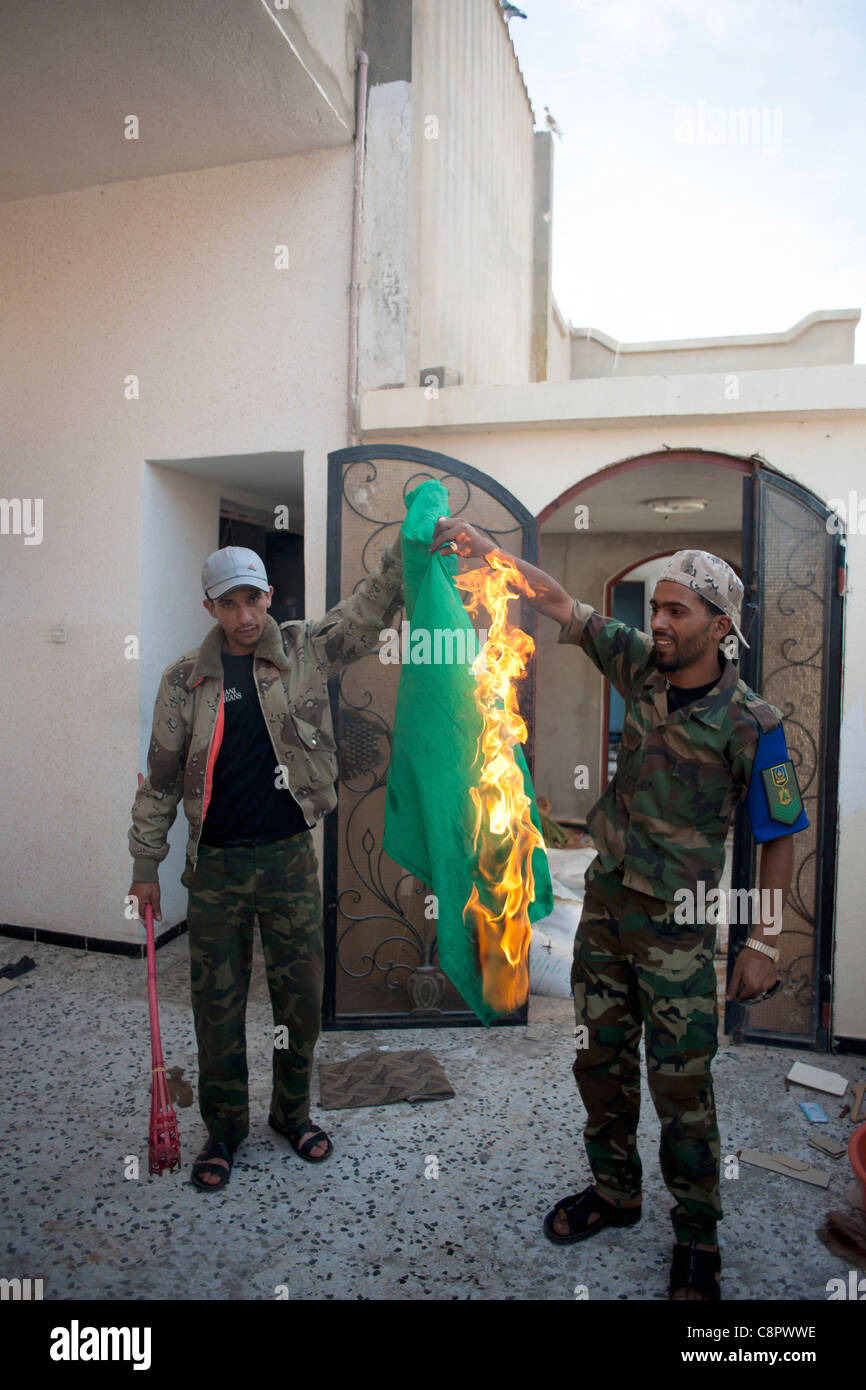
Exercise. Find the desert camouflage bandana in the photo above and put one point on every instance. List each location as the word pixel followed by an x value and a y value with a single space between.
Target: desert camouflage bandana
pixel 710 577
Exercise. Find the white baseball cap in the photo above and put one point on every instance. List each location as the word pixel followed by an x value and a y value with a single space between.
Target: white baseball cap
pixel 232 567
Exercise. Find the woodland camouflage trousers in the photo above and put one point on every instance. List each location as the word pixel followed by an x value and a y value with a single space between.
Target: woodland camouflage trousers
pixel 228 889
pixel 635 968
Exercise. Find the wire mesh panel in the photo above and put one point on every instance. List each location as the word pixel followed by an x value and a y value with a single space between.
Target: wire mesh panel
pixel 380 930
pixel 794 663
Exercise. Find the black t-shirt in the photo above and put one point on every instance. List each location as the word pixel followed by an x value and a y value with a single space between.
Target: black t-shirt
pixel 246 808
pixel 677 697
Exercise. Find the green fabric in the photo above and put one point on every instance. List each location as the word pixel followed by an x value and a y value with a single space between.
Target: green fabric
pixel 435 759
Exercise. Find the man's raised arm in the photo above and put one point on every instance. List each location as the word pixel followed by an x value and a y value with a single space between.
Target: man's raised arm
pixel 619 652
pixel 351 628
pixel 549 596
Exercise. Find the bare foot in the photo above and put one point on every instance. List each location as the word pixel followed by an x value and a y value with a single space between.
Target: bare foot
pixel 560 1220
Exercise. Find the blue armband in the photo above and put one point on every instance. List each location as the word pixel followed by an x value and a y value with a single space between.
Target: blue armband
pixel 774 803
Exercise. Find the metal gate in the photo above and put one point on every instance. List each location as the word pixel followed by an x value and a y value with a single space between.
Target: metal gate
pixel 381 966
pixel 792 563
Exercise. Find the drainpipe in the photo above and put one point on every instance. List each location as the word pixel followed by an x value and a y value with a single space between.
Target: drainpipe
pixel 354 285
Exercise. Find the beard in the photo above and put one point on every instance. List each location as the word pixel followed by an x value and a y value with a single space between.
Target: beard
pixel 683 651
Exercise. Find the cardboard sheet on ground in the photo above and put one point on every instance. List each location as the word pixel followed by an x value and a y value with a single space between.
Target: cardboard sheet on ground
pixel 435 759
pixel 831 1147
pixel 784 1164
pixel 818 1079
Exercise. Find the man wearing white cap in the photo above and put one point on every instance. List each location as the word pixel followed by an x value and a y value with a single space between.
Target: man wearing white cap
pixel 696 741
pixel 242 732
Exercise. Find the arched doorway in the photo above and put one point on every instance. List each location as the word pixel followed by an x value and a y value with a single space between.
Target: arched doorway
pixel 790 562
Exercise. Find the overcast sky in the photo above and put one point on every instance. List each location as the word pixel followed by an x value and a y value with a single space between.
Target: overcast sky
pixel 671 219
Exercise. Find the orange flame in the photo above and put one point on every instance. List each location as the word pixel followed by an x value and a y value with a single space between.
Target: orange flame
pixel 504 837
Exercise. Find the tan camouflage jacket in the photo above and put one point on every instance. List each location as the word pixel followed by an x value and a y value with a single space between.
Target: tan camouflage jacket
pixel 292 664
pixel 664 817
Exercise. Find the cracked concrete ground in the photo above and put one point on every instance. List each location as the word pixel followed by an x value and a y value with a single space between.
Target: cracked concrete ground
pixel 368 1224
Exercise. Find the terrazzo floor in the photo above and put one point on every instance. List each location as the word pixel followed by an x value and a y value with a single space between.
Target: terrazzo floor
pixel 375 1221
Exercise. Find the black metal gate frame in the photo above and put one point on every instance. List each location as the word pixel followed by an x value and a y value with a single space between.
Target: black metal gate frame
pixel 743 856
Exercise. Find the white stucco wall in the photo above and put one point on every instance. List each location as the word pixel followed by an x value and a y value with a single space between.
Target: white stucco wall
pixel 821 339
pixel 470 245
pixel 171 279
pixel 558 345
pixel 824 450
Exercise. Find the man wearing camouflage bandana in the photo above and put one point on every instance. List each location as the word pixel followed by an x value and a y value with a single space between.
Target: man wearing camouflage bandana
pixel 242 732
pixel 696 741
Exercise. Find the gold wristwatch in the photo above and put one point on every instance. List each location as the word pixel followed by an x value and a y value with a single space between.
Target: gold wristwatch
pixel 771 951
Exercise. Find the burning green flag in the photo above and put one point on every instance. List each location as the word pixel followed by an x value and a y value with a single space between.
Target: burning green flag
pixel 436 759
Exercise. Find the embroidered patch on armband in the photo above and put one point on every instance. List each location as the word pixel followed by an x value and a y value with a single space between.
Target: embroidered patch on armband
pixel 784 801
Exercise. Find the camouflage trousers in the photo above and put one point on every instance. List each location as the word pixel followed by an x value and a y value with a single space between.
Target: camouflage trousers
pixel 635 968
pixel 228 889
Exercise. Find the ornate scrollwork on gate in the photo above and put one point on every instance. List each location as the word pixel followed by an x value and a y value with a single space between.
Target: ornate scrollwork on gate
pixel 794 625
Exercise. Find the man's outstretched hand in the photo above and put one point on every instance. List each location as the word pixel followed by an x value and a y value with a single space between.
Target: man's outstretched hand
pixel 470 543
pixel 546 594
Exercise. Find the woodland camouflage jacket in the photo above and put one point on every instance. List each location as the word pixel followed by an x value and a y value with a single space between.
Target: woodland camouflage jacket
pixel 291 666
pixel 665 815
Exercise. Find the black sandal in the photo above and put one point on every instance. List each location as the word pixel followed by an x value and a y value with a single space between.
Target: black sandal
pixel 696 1269
pixel 578 1208
pixel 314 1137
pixel 212 1149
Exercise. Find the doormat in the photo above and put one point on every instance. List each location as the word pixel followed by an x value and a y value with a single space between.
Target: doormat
pixel 382 1078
